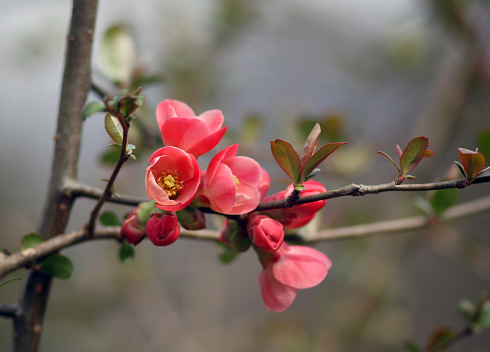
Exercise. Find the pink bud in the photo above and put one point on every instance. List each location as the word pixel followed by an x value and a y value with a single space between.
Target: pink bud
pixel 266 234
pixel 163 228
pixel 132 230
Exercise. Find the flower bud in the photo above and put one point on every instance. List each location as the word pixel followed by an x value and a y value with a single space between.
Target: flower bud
pixel 234 236
pixel 191 219
pixel 133 228
pixel 162 228
pixel 266 234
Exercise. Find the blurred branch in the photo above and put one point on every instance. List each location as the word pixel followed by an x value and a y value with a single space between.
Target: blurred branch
pixel 76 189
pixel 466 332
pixel 9 310
pixel 402 225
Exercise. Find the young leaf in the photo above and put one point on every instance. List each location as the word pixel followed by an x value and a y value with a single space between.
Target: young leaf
pixel 31 240
pixel 484 143
pixel 113 128
pixel 318 157
pixel 473 163
pixel 287 158
pixel 118 53
pixel 390 160
pixel 91 108
pixel 228 254
pixel 57 265
pixel 411 347
pixel 439 337
pixel 126 253
pixel 413 153
pixel 109 218
pixel 310 145
pixel 9 281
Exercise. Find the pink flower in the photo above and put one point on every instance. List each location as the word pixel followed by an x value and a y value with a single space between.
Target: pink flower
pixel 181 128
pixel 264 183
pixel 230 184
pixel 288 269
pixel 163 228
pixel 172 178
pixel 299 215
pixel 132 230
pixel 266 234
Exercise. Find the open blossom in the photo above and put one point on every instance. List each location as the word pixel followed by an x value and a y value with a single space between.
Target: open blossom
pixel 231 183
pixel 181 128
pixel 163 228
pixel 288 269
pixel 265 233
pixel 172 178
pixel 299 215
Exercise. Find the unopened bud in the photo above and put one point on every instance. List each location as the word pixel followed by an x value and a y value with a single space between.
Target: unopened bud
pixel 266 234
pixel 192 219
pixel 162 228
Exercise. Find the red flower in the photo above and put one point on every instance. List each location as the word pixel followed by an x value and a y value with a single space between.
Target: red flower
pixel 231 183
pixel 288 269
pixel 181 128
pixel 266 234
pixel 172 178
pixel 299 215
pixel 163 228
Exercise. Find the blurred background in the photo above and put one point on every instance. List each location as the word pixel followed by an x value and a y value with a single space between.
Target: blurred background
pixel 374 73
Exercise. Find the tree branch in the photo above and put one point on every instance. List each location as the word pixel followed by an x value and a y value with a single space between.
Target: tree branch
pixel 9 310
pixel 75 86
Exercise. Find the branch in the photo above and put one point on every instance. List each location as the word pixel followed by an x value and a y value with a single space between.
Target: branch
pixel 57 206
pixel 362 190
pixel 402 225
pixel 20 259
pixel 9 310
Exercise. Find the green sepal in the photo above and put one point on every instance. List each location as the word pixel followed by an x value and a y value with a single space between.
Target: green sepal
pixel 56 265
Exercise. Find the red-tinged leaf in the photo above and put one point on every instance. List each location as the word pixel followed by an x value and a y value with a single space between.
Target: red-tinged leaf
pixel 390 160
pixel 482 171
pixel 399 151
pixel 318 157
pixel 428 153
pixel 472 162
pixel 439 337
pixel 413 153
pixel 310 145
pixel 461 168
pixel 287 158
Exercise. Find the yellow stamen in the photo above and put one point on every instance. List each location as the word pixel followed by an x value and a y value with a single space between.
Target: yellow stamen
pixel 236 180
pixel 169 182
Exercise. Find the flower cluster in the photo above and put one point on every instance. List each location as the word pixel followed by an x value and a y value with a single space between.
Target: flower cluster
pixel 232 186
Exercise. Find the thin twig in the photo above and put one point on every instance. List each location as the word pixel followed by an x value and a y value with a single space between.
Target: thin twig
pixel 9 310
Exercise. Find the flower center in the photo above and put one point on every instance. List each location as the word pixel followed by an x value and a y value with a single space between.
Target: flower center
pixel 236 181
pixel 169 181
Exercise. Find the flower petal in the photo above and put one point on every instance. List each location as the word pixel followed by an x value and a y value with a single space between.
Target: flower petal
pixel 301 267
pixel 169 108
pixel 276 296
pixel 213 119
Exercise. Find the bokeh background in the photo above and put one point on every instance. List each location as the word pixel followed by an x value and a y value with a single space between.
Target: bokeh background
pixel 376 73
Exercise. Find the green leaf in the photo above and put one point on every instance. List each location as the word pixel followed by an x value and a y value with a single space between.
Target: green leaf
pixel 390 160
pixel 483 319
pixel 461 168
pixel 109 218
pixel 312 174
pixel 3 283
pixel 31 240
pixel 424 205
pixel 310 145
pixel 126 253
pixel 91 108
pixel 113 128
pixel 57 265
pixel 318 157
pixel 148 80
pixel 110 157
pixel 484 143
pixel 287 159
pixel 413 153
pixel 439 337
pixel 118 54
pixel 443 199
pixel 467 309
pixel 411 347
pixel 473 163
